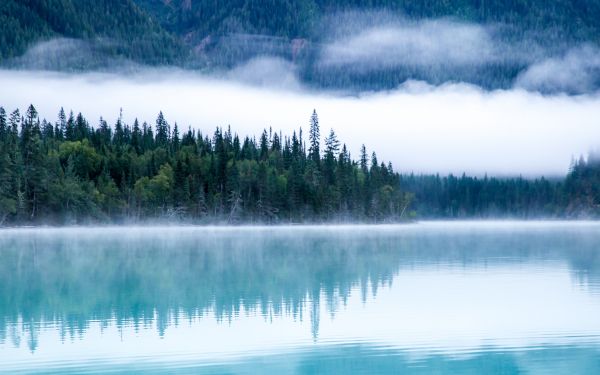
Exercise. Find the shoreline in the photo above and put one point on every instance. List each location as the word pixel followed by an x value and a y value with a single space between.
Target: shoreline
pixel 431 223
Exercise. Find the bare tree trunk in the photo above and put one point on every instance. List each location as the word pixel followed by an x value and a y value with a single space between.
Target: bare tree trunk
pixel 404 209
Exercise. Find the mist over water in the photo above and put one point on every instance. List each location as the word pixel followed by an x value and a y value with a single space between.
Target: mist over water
pixel 435 295
pixel 450 128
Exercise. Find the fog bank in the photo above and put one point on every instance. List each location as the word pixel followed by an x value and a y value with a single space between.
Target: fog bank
pixel 450 128
pixel 425 44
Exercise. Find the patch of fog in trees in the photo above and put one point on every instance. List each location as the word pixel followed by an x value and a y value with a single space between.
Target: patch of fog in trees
pixel 451 128
pixel 365 51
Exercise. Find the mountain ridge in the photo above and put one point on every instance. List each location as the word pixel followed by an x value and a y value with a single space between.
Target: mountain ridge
pixel 502 40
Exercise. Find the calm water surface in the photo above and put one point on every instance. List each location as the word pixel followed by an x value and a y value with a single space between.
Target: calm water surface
pixel 443 298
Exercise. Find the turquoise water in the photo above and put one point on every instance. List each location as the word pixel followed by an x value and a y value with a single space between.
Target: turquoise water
pixel 442 298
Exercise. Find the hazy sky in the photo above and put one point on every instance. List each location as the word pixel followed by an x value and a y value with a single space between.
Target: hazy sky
pixel 451 128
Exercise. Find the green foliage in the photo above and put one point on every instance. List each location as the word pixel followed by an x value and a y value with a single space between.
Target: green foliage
pixel 89 174
pixel 155 192
pixel 72 172
pixel 85 161
pixel 472 197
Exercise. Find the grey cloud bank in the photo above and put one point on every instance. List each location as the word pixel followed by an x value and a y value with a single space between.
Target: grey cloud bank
pixel 268 72
pixel 577 71
pixel 451 128
pixel 448 51
pixel 425 43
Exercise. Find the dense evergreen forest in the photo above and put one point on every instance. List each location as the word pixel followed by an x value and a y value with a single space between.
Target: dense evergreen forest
pixel 301 19
pixel 115 28
pixel 215 36
pixel 72 172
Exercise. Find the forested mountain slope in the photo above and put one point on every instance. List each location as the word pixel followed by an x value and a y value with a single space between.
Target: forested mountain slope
pixel 114 27
pixel 297 19
pixel 345 44
pixel 380 44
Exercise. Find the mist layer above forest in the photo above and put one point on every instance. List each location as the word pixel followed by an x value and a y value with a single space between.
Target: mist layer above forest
pixel 338 45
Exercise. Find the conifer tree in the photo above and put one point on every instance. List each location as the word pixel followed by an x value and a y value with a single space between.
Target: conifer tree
pixel 61 124
pixel 314 137
pixel 136 137
pixel 162 131
pixel 364 159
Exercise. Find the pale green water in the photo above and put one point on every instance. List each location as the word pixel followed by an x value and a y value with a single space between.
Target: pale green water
pixel 442 298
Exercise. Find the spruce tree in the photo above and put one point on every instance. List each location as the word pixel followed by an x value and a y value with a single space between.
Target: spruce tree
pixel 162 131
pixel 136 137
pixel 314 138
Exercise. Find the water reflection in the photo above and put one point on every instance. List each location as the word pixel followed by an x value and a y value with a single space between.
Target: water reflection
pixel 433 290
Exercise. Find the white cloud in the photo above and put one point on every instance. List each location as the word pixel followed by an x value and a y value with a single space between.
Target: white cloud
pixel 426 43
pixel 451 128
pixel 71 54
pixel 578 71
pixel 266 71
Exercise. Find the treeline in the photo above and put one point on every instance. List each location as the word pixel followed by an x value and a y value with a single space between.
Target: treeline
pixel 71 172
pixel 465 196
pixel 575 196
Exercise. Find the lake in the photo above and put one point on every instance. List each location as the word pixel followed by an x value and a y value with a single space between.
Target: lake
pixel 432 297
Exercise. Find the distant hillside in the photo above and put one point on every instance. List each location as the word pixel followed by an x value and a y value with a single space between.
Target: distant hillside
pixel 117 27
pixel 509 37
pixel 579 19
pixel 548 46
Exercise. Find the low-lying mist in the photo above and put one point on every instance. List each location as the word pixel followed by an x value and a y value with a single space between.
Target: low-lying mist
pixel 462 97
pixel 450 128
